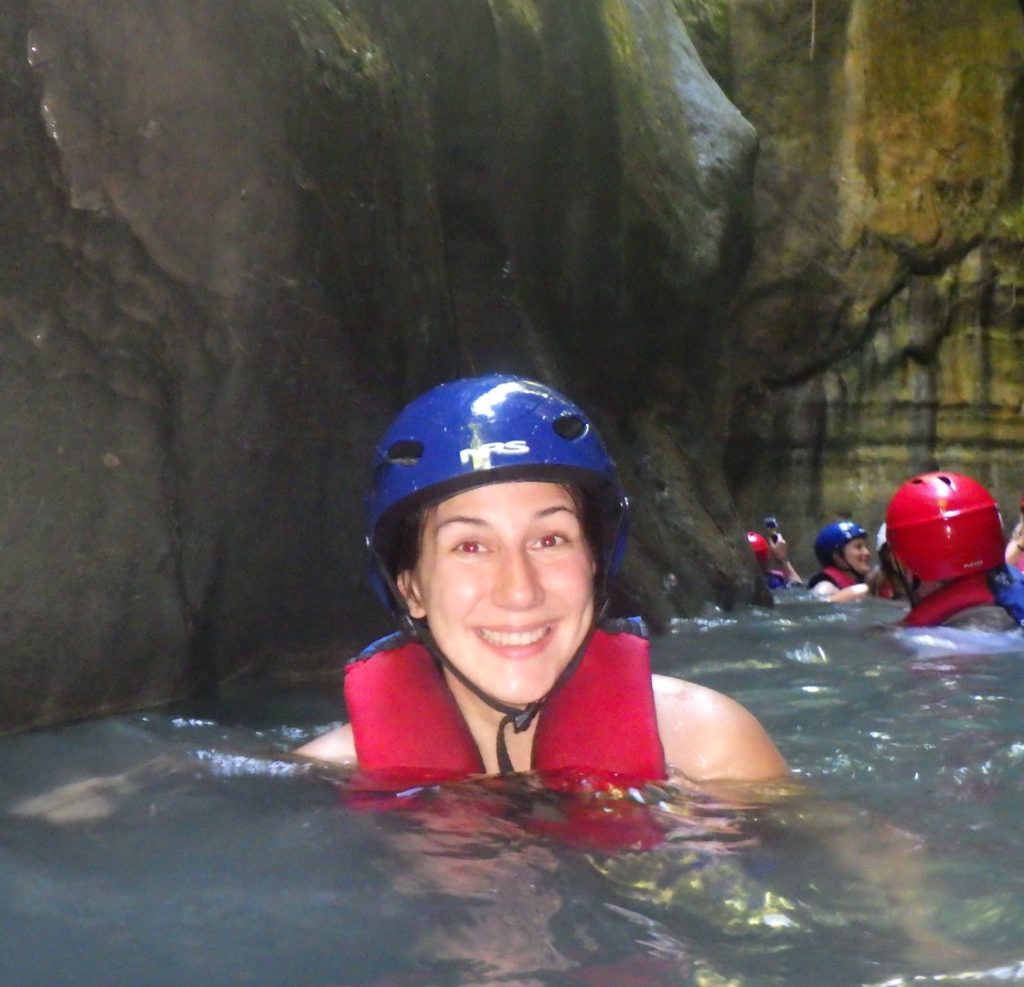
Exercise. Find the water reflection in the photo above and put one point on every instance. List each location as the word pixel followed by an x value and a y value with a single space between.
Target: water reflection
pixel 188 846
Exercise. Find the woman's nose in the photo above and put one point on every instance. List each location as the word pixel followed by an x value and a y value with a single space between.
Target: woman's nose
pixel 517 585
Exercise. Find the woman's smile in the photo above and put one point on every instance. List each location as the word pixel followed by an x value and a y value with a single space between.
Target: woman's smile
pixel 514 639
pixel 858 556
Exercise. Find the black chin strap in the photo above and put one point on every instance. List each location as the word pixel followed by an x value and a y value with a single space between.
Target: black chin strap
pixel 518 718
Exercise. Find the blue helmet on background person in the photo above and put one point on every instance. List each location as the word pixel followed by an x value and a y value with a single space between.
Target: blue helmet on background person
pixel 834 538
pixel 491 429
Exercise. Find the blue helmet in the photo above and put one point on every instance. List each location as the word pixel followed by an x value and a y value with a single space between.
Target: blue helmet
pixel 834 538
pixel 490 429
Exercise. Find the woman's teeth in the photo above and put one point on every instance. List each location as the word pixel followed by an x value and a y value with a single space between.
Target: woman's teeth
pixel 513 639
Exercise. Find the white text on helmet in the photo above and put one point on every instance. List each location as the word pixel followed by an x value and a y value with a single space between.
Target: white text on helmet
pixel 480 456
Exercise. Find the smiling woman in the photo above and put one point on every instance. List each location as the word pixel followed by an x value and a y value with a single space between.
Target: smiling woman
pixel 842 549
pixel 505 579
pixel 496 521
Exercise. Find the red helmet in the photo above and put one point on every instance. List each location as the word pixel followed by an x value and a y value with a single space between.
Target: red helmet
pixel 944 525
pixel 760 546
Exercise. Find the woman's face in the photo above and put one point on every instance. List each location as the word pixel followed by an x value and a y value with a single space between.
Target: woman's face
pixel 857 556
pixel 505 580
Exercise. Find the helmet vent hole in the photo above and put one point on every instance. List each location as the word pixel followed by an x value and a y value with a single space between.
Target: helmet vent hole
pixel 405 452
pixel 570 427
pixel 946 480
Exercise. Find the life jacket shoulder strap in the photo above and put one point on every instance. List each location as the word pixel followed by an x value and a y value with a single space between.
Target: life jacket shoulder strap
pixel 403 714
pixel 604 716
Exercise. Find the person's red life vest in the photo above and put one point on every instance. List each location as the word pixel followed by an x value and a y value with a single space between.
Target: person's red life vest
pixel 833 574
pixel 406 722
pixel 949 600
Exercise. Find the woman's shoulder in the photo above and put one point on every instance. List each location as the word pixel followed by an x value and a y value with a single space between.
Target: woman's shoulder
pixel 708 735
pixel 337 745
pixel 822 584
pixel 669 689
pixel 704 709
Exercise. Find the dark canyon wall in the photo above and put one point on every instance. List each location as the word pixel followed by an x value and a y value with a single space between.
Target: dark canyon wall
pixel 235 237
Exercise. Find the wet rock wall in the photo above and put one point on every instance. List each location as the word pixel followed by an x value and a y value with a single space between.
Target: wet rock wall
pixel 880 324
pixel 235 238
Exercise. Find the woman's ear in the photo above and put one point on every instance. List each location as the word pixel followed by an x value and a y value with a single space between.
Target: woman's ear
pixel 411 594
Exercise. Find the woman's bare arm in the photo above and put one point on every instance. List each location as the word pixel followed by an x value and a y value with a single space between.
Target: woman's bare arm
pixel 709 737
pixel 832 593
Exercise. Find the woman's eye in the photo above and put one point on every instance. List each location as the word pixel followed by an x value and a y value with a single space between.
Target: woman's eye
pixel 469 547
pixel 551 541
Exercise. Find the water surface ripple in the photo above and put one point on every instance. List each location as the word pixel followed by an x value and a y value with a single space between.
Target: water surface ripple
pixel 187 846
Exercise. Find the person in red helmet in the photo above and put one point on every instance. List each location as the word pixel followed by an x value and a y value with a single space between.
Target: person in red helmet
pixel 1014 553
pixel 782 575
pixel 946 533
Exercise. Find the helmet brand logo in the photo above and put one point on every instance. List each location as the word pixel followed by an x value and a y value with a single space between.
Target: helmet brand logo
pixel 480 455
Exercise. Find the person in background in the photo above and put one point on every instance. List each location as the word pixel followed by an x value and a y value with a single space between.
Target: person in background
pixel 496 522
pixel 773 548
pixel 1014 554
pixel 946 536
pixel 841 549
pixel 885 580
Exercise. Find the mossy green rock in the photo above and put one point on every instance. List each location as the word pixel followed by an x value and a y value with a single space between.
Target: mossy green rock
pixel 880 317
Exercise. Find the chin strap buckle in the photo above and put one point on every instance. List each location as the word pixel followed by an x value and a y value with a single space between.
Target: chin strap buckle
pixel 519 720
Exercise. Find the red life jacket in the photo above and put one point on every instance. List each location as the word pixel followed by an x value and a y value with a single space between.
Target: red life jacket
pixel 949 600
pixel 833 574
pixel 405 719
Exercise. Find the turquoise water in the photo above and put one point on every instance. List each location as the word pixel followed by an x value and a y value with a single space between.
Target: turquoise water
pixel 185 846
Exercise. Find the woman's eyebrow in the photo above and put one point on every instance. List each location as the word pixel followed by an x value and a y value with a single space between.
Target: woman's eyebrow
pixel 548 511
pixel 482 523
pixel 461 519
